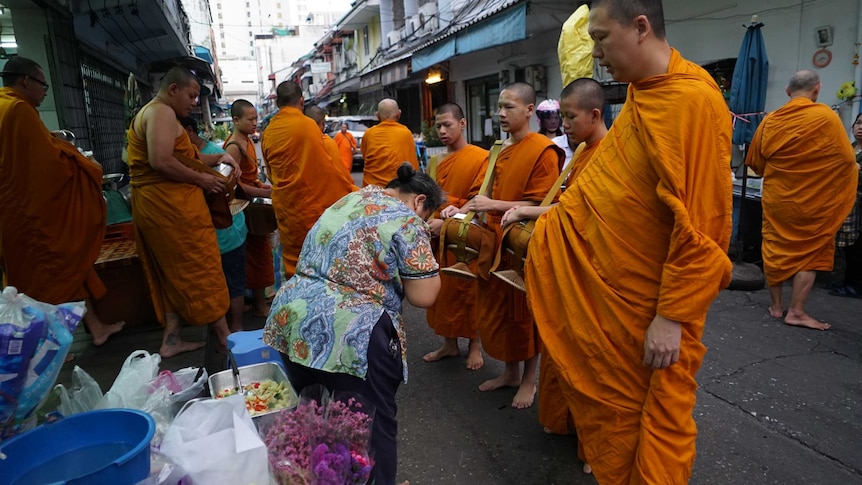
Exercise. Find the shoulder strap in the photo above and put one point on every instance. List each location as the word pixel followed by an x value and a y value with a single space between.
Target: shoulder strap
pixel 197 165
pixel 486 184
pixel 241 149
pixel 563 176
pixel 432 167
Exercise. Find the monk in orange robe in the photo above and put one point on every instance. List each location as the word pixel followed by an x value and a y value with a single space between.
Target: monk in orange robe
pixel 621 273
pixel 452 316
pixel 346 146
pixel 53 217
pixel 259 270
pixel 386 146
pixel 317 114
pixel 526 170
pixel 806 160
pixel 174 233
pixel 305 179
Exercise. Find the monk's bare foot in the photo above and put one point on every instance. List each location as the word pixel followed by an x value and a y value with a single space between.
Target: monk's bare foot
pixel 524 397
pixel 776 312
pixel 804 320
pixel 588 469
pixel 440 354
pixel 180 347
pixel 101 332
pixel 475 361
pixel 500 382
pixel 261 311
pixel 69 358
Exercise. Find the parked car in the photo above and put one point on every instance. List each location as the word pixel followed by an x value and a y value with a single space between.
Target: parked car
pixel 356 126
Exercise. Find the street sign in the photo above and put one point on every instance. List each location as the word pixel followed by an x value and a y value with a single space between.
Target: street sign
pixel 321 67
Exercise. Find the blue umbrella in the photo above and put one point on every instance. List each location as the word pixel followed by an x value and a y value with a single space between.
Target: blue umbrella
pixel 747 96
pixel 748 89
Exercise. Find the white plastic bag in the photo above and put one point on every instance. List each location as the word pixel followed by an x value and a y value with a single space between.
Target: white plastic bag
pixel 130 387
pixel 84 396
pixel 216 443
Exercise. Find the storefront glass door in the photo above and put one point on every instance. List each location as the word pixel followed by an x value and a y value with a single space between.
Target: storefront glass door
pixel 483 124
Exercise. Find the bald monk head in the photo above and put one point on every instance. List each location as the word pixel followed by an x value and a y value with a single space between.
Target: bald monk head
pixel 449 122
pixel 289 93
pixel 27 78
pixel 629 36
pixel 582 105
pixel 179 89
pixel 317 114
pixel 516 106
pixel 804 84
pixel 387 109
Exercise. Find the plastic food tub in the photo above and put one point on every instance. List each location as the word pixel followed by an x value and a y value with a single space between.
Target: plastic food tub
pixel 249 374
pixel 108 446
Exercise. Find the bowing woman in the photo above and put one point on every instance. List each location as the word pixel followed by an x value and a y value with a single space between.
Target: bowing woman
pixel 338 321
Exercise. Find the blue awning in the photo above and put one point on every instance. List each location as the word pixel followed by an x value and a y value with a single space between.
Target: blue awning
pixel 503 28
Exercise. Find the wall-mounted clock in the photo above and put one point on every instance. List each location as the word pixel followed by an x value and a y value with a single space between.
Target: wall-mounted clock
pixel 822 58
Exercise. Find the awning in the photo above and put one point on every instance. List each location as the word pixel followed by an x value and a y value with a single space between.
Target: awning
pixel 203 53
pixel 389 72
pixel 503 28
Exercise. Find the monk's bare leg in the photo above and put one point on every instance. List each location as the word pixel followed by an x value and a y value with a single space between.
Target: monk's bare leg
pixel 475 361
pixel 802 284
pixel 527 390
pixel 235 313
pixel 172 344
pixel 511 377
pixel 776 307
pixel 98 329
pixel 260 308
pixel 449 349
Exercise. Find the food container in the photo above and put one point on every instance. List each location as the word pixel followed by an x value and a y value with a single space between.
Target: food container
pixel 224 169
pixel 250 374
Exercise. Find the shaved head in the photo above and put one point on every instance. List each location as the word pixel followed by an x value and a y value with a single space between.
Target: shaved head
pixel 387 109
pixel 586 93
pixel 804 80
pixel 451 108
pixel 317 114
pixel 178 75
pixel 237 109
pixel 17 68
pixel 523 91
pixel 626 11
pixel 288 93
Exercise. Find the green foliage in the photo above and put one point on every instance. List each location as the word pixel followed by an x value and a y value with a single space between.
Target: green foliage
pixel 429 134
pixel 220 132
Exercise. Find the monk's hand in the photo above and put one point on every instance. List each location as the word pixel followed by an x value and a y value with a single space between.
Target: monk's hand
pixel 435 225
pixel 480 203
pixel 661 345
pixel 511 216
pixel 211 184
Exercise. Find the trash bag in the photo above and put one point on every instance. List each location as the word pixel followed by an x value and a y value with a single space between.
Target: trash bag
pixel 130 387
pixel 215 441
pixel 84 395
pixel 576 46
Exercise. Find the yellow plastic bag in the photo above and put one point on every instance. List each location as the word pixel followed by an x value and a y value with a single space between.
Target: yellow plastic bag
pixel 575 47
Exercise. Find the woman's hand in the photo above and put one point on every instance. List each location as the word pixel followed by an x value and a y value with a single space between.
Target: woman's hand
pixel 435 225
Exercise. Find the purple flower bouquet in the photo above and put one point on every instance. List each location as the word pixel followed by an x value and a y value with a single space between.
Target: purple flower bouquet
pixel 323 441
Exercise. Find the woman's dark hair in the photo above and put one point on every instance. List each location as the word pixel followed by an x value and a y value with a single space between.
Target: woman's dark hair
pixel 410 181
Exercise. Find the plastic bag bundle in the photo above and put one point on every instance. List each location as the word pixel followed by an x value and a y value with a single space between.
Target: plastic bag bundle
pixel 130 387
pixel 22 326
pixel 576 46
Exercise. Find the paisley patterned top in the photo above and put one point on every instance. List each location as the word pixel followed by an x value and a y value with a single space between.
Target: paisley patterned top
pixel 349 272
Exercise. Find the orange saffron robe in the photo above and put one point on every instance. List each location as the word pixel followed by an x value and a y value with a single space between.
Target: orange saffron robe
pixel 385 147
pixel 809 186
pixel 259 270
pixel 332 150
pixel 305 180
pixel 643 230
pixel 452 314
pixel 526 170
pixel 346 145
pixel 175 238
pixel 52 220
pixel 554 412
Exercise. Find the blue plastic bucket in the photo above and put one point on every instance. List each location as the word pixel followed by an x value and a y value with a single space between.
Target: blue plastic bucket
pixel 108 446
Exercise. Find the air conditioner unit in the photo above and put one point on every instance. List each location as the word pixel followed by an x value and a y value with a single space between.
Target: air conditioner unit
pixel 430 26
pixel 428 18
pixel 413 26
pixel 393 37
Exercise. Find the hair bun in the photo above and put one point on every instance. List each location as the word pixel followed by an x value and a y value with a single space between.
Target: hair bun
pixel 406 172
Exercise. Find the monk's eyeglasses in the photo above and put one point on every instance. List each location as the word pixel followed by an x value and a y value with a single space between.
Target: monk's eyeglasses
pixel 43 83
